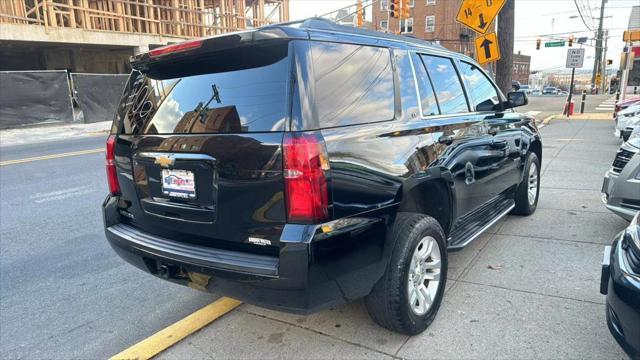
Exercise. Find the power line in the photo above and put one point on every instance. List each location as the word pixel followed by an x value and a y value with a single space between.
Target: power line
pixel 581 17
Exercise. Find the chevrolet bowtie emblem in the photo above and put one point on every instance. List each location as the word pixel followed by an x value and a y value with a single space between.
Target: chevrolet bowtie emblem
pixel 164 161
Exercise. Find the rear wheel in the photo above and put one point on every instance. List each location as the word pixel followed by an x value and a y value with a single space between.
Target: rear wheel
pixel 529 189
pixel 409 294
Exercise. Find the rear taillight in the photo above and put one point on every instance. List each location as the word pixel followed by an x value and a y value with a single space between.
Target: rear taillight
pixel 112 176
pixel 174 48
pixel 306 167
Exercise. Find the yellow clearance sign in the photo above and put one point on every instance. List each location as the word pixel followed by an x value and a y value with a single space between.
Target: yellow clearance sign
pixel 487 49
pixel 479 14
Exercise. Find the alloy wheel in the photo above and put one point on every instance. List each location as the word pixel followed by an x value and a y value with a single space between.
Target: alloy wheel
pixel 424 275
pixel 532 189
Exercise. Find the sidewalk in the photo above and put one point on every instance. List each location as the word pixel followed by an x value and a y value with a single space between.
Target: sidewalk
pixel 527 289
pixel 33 134
pixel 584 116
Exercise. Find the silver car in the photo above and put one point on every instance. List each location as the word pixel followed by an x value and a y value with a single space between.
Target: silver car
pixel 621 188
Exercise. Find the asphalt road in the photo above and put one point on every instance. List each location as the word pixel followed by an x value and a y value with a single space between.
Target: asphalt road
pixel 63 292
pixel 544 106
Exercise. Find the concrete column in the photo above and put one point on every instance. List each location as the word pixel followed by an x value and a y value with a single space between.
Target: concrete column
pixel 140 49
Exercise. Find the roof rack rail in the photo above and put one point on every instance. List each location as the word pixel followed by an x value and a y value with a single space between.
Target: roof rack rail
pixel 317 23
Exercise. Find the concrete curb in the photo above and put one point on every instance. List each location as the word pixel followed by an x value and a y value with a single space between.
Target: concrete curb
pixel 546 121
pixel 33 134
pixel 585 116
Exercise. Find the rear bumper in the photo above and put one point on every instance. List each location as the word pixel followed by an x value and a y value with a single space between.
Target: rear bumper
pixel 314 270
pixel 622 288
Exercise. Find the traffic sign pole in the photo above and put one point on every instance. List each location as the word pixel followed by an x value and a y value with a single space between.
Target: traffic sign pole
pixel 567 108
pixel 575 59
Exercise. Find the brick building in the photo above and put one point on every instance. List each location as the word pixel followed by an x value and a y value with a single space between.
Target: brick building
pixel 521 68
pixel 432 20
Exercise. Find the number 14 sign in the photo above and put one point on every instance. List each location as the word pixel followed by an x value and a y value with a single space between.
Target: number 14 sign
pixel 479 14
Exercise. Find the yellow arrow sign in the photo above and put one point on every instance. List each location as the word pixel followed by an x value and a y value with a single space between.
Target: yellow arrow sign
pixel 479 14
pixel 487 49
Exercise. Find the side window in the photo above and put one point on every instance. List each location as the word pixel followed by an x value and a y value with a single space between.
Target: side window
pixel 484 95
pixel 353 84
pixel 446 83
pixel 427 96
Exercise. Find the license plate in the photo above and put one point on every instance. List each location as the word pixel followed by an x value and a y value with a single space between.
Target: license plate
pixel 179 183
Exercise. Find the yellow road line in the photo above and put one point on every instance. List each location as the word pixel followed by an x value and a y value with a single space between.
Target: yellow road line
pixel 52 156
pixel 169 336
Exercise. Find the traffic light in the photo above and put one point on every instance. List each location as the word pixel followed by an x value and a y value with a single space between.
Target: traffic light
pixel 609 62
pixel 570 40
pixel 394 9
pixel 538 44
pixel 405 12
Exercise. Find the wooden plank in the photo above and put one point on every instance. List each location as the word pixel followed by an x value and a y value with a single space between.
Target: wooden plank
pixel 223 13
pixel 120 12
pixel 242 23
pixel 138 22
pixel 72 15
pixel 52 14
pixel 36 7
pixel 152 17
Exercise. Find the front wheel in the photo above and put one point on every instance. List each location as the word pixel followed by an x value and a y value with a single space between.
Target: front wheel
pixel 529 189
pixel 409 294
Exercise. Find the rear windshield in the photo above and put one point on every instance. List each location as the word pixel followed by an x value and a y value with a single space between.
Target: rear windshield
pixel 247 99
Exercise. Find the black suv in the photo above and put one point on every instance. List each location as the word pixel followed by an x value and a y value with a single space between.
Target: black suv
pixel 303 165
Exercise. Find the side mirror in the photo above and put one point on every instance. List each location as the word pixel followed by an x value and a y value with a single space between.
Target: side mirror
pixel 515 99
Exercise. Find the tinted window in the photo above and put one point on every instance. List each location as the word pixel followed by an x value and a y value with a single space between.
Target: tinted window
pixel 482 92
pixel 446 83
pixel 427 97
pixel 354 84
pixel 246 100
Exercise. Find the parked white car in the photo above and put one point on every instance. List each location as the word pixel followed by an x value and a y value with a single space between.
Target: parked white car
pixel 625 121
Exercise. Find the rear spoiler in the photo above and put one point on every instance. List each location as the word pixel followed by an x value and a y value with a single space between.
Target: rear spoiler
pixel 205 46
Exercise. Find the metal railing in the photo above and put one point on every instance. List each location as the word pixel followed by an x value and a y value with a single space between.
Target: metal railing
pixel 180 18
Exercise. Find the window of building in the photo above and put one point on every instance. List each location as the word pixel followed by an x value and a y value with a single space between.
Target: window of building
pixel 446 83
pixel 353 84
pixel 384 25
pixel 483 93
pixel 384 5
pixel 431 23
pixel 412 3
pixel 427 96
pixel 431 2
pixel 406 26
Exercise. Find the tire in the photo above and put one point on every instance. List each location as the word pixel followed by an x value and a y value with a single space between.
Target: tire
pixel 524 204
pixel 388 303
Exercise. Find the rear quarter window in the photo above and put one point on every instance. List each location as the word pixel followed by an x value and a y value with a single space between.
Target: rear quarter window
pixel 427 95
pixel 353 84
pixel 446 84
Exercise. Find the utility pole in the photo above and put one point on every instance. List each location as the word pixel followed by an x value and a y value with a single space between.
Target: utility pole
pixel 506 28
pixel 603 61
pixel 598 57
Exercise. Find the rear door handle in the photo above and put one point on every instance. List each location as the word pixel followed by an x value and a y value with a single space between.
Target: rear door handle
pixel 499 144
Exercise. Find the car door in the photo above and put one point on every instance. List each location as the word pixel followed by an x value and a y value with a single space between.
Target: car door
pixel 464 142
pixel 503 157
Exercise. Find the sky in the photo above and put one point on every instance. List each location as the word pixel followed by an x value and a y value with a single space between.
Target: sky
pixel 534 18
